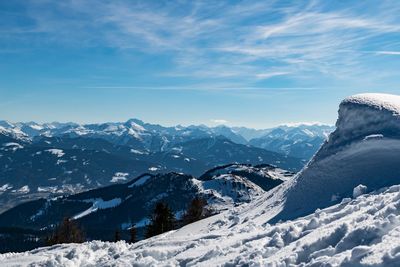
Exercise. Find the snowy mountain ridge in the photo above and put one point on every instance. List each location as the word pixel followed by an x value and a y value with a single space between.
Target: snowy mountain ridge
pixel 51 166
pixel 146 137
pixel 93 154
pixel 300 141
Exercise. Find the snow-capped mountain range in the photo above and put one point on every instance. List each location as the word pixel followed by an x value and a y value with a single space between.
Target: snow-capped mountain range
pixel 300 141
pixel 342 209
pixel 52 166
pixel 145 137
pixel 50 159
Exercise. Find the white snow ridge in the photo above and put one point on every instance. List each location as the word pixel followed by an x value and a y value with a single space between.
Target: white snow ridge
pixel 342 209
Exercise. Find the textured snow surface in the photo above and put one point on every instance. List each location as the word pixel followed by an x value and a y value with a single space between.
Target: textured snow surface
pixel 380 101
pixel 360 232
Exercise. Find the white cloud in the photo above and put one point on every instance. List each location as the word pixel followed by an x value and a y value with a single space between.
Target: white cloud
pixel 219 121
pixel 393 53
pixel 305 123
pixel 268 75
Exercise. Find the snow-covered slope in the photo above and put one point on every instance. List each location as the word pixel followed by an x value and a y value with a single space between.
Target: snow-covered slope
pixel 360 232
pixel 119 205
pixel 8 130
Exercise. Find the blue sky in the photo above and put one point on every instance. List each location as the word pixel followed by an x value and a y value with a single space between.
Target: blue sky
pixel 246 63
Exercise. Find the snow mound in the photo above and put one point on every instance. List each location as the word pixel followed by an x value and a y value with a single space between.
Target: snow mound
pixel 364 116
pixel 363 149
pixel 360 232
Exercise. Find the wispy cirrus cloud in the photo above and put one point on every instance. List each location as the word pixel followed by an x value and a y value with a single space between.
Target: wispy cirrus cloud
pixel 246 42
pixel 392 53
pixel 219 121
pixel 271 74
pixel 202 87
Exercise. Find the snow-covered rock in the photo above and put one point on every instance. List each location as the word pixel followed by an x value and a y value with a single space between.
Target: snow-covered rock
pixel 359 190
pixel 348 158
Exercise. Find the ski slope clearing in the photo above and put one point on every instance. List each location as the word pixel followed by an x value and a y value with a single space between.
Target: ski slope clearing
pixel 360 232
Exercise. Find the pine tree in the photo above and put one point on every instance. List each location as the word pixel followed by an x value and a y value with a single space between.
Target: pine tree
pixel 117 236
pixel 161 220
pixel 132 232
pixel 68 231
pixel 195 211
